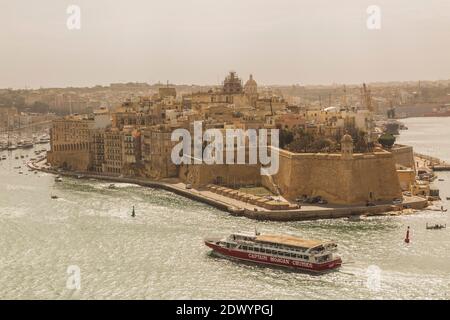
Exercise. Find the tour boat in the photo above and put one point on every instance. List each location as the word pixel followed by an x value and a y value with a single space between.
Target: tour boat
pixel 278 250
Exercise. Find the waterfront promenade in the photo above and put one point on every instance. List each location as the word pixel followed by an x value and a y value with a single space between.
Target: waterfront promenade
pixel 241 208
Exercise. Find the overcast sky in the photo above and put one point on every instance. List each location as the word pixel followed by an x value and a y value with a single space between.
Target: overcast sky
pixel 199 41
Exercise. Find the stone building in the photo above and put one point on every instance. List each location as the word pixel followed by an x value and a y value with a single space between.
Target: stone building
pixel 97 150
pixel 131 151
pixel 156 152
pixel 348 178
pixel 113 152
pixel 167 92
pixel 70 142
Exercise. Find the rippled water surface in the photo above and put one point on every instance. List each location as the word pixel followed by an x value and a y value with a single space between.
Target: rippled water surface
pixel 159 254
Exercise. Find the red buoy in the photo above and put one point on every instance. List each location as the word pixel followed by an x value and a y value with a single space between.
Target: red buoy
pixel 407 235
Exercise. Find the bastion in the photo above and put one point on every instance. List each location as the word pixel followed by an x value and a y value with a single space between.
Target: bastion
pixel 337 178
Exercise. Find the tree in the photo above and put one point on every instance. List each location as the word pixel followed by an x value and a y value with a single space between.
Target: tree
pixel 286 137
pixel 302 142
pixel 322 144
pixel 387 140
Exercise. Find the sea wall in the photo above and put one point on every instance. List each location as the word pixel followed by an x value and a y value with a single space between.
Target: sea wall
pixel 71 160
pixel 221 174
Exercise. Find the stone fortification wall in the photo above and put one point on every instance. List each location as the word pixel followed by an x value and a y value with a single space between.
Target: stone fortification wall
pixel 364 177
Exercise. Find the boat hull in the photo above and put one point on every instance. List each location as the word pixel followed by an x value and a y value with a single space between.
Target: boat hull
pixel 275 261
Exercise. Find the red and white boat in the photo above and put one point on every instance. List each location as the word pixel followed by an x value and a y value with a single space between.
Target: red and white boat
pixel 278 250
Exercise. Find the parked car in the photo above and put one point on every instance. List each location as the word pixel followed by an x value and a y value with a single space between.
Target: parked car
pixel 188 186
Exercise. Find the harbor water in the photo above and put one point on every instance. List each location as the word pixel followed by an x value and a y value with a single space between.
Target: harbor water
pixel 159 254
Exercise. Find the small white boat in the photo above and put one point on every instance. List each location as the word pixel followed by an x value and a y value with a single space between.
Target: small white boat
pixel 355 218
pixel 58 179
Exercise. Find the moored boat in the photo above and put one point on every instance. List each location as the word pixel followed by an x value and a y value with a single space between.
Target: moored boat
pixel 436 226
pixel 27 144
pixel 278 250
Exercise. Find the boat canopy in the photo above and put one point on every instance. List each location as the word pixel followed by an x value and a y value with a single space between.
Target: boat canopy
pixel 289 241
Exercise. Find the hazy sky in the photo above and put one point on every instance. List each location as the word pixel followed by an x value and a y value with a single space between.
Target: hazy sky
pixel 199 41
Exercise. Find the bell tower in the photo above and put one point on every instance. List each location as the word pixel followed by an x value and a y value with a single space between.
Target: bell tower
pixel 347 147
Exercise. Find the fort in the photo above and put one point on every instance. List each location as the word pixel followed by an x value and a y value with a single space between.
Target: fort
pixel 320 162
pixel 364 177
pixel 340 178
